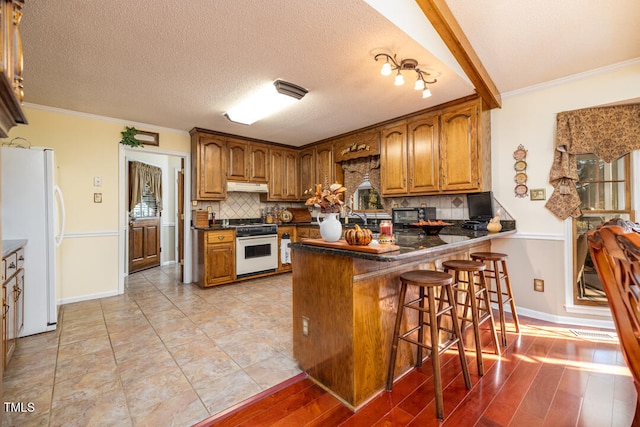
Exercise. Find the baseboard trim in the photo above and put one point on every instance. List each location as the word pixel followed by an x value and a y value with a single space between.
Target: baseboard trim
pixel 88 297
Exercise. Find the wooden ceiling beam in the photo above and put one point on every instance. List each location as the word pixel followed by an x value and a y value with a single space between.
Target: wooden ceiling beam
pixel 440 16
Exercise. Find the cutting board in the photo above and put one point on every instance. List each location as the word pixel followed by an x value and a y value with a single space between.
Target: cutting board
pixel 300 214
pixel 342 244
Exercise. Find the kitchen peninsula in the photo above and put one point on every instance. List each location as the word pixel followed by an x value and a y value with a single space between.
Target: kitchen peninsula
pixel 345 302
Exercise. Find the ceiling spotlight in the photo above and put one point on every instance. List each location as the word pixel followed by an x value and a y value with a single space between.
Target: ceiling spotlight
pixel 408 64
pixel 268 100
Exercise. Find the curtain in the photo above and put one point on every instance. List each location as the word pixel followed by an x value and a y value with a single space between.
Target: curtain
pixel 607 132
pixel 142 177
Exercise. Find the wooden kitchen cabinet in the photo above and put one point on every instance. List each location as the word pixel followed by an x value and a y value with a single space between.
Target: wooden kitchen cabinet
pixel 444 151
pixel 460 151
pixel 11 78
pixel 324 163
pixel 423 163
pixel 216 257
pixel 283 175
pixel 306 171
pixel 247 161
pixel 307 232
pixel 393 160
pixel 13 300
pixel 208 166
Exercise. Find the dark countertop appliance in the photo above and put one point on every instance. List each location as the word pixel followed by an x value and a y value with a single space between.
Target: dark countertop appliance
pixel 405 216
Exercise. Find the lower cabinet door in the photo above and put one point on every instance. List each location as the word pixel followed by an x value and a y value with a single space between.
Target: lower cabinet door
pixel 219 264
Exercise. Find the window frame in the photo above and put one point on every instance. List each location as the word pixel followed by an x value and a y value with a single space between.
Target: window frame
pixel 628 202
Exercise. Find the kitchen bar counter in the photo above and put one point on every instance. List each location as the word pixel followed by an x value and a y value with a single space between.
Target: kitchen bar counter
pixel 345 302
pixel 413 243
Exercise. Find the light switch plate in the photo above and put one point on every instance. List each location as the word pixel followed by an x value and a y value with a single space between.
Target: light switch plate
pixel 97 181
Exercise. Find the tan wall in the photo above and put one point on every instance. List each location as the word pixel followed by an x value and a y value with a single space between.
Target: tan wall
pixel 84 147
pixel 528 118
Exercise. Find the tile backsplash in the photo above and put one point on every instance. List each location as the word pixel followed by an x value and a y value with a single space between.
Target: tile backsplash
pixel 248 205
pixel 242 206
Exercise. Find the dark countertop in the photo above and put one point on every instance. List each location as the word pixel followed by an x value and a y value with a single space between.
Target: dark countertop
pixel 9 246
pixel 218 227
pixel 414 243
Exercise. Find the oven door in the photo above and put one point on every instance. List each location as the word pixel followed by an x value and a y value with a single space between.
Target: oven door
pixel 256 254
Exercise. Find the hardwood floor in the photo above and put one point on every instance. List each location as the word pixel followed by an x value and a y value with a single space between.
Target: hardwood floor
pixel 547 376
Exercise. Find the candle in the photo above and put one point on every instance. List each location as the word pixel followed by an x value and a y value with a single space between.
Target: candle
pixel 386 228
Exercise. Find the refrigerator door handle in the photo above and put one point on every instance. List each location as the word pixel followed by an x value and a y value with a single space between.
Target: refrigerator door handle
pixel 60 235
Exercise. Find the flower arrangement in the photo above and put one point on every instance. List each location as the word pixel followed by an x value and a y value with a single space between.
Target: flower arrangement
pixel 327 197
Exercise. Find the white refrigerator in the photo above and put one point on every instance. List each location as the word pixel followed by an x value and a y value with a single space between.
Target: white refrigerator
pixel 32 209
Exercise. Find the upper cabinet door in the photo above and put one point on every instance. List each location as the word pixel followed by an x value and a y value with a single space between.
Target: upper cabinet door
pixel 208 166
pixel 11 65
pixel 306 171
pixel 237 160
pixel 459 151
pixel 393 159
pixel 258 163
pixel 290 175
pixel 324 164
pixel 423 159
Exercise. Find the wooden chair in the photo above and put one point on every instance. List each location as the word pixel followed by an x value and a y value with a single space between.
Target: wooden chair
pixel 615 251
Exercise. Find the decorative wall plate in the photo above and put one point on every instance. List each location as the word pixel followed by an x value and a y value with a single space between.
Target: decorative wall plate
pixel 520 165
pixel 520 178
pixel 520 153
pixel 521 190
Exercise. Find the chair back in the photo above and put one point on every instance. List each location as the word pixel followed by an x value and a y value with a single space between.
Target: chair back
pixel 615 252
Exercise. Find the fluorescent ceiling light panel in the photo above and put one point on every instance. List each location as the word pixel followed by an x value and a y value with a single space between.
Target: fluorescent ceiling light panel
pixel 268 100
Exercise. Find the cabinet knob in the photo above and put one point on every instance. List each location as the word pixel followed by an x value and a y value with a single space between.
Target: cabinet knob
pixel 12 265
pixel 21 258
pixel 220 237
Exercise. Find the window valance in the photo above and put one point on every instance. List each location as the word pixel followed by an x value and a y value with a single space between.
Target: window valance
pixel 143 178
pixel 607 132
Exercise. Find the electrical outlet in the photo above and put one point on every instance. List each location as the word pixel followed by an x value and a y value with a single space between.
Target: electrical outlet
pixel 97 181
pixel 209 209
pixel 538 285
pixel 305 326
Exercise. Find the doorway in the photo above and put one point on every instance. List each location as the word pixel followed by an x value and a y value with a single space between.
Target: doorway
pixel 145 215
pixel 175 239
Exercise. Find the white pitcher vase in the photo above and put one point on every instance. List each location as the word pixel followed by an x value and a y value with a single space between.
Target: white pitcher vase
pixel 330 227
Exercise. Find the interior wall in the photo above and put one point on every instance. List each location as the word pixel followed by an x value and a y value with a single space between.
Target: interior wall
pixel 528 117
pixel 86 146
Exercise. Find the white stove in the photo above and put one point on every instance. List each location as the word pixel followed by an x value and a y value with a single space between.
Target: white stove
pixel 256 249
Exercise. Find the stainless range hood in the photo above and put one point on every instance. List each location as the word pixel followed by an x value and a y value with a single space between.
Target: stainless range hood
pixel 246 187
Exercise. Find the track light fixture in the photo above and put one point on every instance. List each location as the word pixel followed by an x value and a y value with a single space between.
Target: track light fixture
pixel 392 64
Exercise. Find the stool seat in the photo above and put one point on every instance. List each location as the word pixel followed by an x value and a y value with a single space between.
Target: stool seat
pixel 489 256
pixel 463 264
pixel 426 278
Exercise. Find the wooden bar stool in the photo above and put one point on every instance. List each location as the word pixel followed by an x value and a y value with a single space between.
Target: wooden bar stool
pixel 495 274
pixel 475 307
pixel 438 287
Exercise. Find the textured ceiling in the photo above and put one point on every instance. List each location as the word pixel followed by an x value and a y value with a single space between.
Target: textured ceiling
pixel 178 65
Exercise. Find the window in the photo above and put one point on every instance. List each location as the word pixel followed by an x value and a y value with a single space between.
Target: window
pixel 605 193
pixel 147 206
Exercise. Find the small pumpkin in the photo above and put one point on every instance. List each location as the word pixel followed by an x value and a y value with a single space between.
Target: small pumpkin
pixel 358 236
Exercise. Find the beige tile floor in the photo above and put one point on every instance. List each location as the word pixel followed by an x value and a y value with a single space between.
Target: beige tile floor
pixel 161 354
